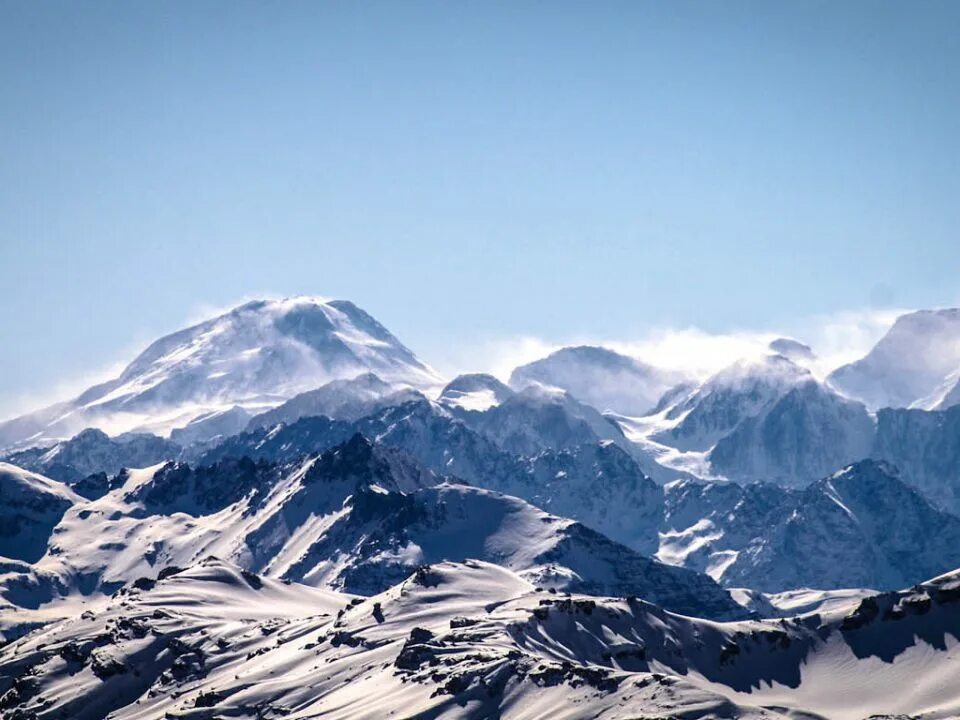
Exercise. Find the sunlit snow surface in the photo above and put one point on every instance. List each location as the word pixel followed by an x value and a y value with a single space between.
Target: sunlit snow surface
pixel 255 357
pixel 473 640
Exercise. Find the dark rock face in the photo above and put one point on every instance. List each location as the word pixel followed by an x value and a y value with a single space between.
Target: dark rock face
pixel 176 487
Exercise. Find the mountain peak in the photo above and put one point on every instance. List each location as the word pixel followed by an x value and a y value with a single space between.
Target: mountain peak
pixel 793 350
pixel 867 467
pixel 911 366
pixel 474 391
pixel 600 377
pixel 368 464
pixel 254 356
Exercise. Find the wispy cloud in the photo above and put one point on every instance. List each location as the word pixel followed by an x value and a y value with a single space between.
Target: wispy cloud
pixel 66 389
pixel 843 337
pixel 836 339
pixel 207 311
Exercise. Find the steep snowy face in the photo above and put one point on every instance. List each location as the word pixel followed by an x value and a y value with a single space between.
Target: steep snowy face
pixel 806 434
pixel 30 507
pixel 599 377
pixel 348 399
pixel 474 392
pixel 914 365
pixel 543 418
pixel 860 527
pixel 743 390
pixel 952 395
pixel 254 356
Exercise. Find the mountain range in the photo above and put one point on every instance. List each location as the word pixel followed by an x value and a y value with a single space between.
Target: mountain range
pixel 474 640
pixel 461 543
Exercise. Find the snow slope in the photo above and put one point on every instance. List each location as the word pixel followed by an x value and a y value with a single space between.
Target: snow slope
pixel 255 356
pixel 600 377
pixel 473 640
pixel 348 399
pixel 475 392
pixel 911 366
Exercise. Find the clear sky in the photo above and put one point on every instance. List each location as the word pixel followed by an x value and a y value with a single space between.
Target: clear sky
pixel 469 172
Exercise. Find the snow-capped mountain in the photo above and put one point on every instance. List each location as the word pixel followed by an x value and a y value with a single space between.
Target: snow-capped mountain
pixel 474 392
pixel 596 482
pixel 793 350
pixel 860 527
pixel 422 544
pixel 93 451
pixel 357 518
pixel 743 390
pixel 474 640
pixel 255 356
pixel 806 434
pixel 540 418
pixel 916 364
pixel 600 377
pixel 348 399
pixel 760 419
pixel 604 488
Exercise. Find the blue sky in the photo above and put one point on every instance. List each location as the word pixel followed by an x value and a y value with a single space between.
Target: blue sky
pixel 470 173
